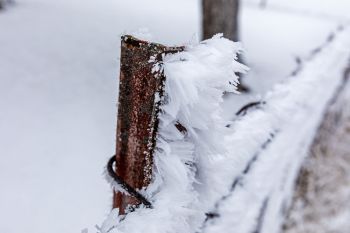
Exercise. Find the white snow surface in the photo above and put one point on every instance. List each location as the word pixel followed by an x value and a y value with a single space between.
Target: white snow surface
pixel 58 88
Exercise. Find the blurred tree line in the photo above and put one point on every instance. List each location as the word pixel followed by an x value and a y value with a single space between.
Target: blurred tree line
pixel 3 3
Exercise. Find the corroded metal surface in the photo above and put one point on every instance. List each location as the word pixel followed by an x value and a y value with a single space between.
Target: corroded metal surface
pixel 140 90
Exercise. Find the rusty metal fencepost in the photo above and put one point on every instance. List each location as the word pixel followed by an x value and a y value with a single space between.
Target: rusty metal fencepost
pixel 138 109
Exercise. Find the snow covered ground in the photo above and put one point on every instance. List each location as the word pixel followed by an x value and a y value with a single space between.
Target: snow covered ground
pixel 58 87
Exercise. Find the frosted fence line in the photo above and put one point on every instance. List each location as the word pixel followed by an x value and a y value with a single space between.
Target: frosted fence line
pixel 194 172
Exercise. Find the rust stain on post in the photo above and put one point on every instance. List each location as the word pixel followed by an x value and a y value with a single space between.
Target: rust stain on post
pixel 138 109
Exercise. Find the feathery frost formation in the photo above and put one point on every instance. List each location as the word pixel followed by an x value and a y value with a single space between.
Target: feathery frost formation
pixel 196 80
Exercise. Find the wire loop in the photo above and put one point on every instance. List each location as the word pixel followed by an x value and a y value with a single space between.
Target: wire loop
pixel 130 190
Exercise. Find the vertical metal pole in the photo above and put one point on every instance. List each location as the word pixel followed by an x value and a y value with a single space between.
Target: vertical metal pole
pixel 138 109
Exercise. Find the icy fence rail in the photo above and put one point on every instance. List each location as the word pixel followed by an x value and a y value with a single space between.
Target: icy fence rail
pixel 211 178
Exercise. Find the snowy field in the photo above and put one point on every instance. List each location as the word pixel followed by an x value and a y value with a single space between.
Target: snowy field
pixel 58 89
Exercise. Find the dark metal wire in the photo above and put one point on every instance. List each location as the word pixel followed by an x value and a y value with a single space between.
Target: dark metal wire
pixel 248 106
pixel 130 190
